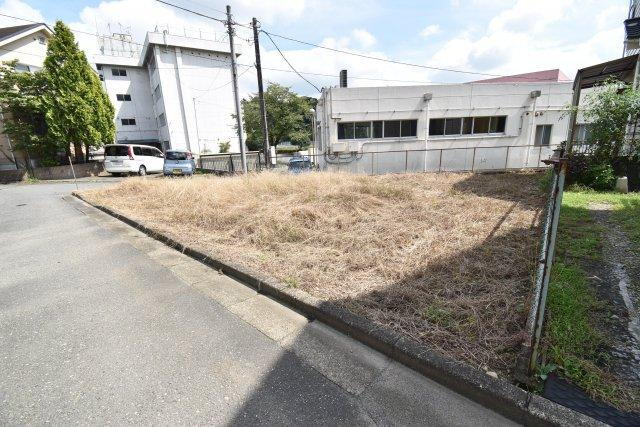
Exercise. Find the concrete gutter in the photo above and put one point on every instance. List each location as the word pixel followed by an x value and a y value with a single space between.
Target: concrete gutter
pixel 494 393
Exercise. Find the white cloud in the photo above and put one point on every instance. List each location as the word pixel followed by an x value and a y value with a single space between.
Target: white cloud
pixel 18 8
pixel 531 36
pixel 364 38
pixel 430 30
pixel 530 16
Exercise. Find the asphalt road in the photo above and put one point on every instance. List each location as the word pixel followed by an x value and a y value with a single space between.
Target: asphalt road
pixel 93 330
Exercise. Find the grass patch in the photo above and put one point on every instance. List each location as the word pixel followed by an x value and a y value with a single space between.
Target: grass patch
pixel 571 339
pixel 445 259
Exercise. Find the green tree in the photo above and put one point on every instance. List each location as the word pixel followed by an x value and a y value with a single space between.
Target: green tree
pixel 288 117
pixel 78 111
pixel 21 97
pixel 609 110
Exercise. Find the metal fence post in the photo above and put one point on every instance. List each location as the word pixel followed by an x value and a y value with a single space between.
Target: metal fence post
pixel 372 163
pixel 440 162
pixel 506 160
pixel 473 160
pixel 231 167
pixel 406 160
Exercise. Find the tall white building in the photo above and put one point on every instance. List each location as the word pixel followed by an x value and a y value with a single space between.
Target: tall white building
pixel 506 123
pixel 174 91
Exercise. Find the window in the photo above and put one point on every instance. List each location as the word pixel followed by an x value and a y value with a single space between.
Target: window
pixel 99 67
pixel 543 135
pixel 452 126
pixel 116 150
pixel 409 128
pixel 481 124
pixel 345 131
pixel 582 133
pixel 119 72
pixel 467 125
pixel 362 130
pixel 123 97
pixel 497 124
pixel 128 122
pixel 162 120
pixel 392 129
pixel 137 151
pixel 436 127
pixel 377 129
pixel 101 77
pixel 22 68
pixel 149 152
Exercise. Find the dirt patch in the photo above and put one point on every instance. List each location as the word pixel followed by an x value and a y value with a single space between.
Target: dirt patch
pixel 446 259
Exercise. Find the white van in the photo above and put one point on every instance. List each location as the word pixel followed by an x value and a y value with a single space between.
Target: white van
pixel 131 158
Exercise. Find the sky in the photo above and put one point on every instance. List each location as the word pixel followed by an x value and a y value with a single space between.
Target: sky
pixel 498 37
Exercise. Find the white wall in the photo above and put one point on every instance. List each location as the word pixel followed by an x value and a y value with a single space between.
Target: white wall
pixel 27 50
pixel 135 83
pixel 457 100
pixel 197 98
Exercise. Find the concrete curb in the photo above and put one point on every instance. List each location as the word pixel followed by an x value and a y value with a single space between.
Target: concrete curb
pixel 497 394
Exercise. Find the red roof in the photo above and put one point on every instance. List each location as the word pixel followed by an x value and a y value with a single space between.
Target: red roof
pixel 536 76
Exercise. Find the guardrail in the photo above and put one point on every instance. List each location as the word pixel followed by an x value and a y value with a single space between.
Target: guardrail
pixel 231 162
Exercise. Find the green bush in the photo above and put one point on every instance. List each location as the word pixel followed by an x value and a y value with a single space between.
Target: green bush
pixel 585 171
pixel 599 177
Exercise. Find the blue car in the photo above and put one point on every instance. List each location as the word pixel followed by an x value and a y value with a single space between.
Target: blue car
pixel 300 164
pixel 178 162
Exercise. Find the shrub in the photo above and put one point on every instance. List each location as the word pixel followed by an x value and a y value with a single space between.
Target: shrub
pixel 589 172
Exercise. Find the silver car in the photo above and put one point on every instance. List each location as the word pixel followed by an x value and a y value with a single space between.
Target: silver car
pixel 178 162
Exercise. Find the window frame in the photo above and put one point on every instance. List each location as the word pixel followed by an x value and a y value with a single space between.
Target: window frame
pixel 125 97
pixel 373 124
pixel 542 127
pixel 128 121
pixel 119 72
pixel 467 125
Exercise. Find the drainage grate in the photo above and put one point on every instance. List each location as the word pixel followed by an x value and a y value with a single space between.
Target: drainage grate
pixel 566 394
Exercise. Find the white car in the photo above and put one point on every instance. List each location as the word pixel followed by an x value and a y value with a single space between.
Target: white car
pixel 130 158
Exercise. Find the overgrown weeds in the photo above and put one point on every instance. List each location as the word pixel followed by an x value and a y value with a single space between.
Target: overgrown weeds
pixel 445 259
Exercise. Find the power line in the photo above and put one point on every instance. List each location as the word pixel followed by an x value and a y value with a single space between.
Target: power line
pixel 191 11
pixel 289 63
pixel 409 64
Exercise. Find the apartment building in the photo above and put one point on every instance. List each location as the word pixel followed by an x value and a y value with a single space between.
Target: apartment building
pixel 173 91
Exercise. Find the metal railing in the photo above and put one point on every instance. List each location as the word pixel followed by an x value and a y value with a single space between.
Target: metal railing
pixel 231 162
pixel 465 159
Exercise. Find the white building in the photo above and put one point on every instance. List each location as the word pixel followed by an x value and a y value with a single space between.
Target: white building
pixel 511 122
pixel 28 45
pixel 173 91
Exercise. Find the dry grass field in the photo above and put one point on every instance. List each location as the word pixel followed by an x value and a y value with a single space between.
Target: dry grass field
pixel 446 259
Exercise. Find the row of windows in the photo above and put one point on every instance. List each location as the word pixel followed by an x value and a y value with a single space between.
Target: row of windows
pixel 128 122
pixel 467 125
pixel 123 97
pixel 378 129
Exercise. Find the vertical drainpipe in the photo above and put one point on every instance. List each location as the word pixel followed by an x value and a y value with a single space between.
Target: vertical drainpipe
pixel 427 97
pixel 534 94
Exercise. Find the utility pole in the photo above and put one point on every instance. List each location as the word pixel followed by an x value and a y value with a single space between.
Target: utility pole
pixel 263 108
pixel 234 80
